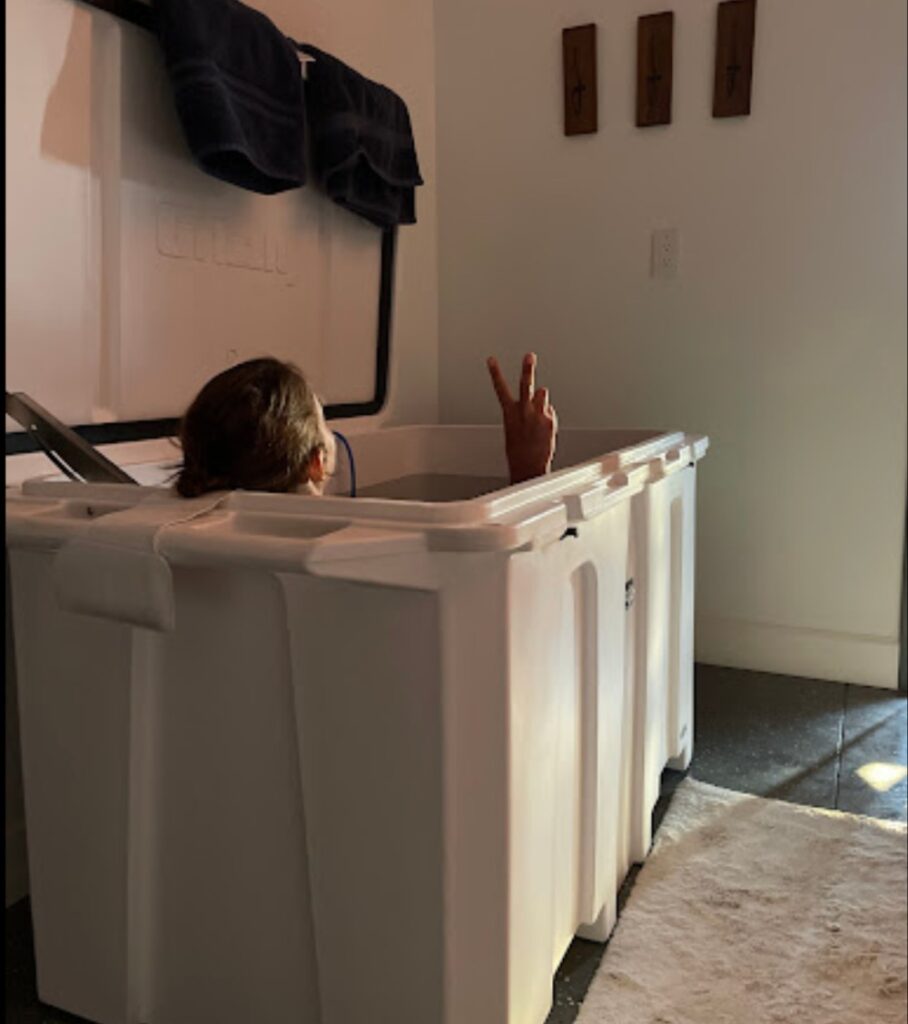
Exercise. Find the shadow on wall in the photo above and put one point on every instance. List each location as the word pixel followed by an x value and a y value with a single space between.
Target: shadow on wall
pixel 111 105
pixel 66 137
pixel 111 109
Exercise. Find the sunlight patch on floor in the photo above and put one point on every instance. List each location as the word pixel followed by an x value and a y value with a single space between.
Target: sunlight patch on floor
pixel 882 775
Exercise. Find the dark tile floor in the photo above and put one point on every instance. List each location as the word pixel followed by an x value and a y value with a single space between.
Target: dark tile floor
pixel 800 740
pixel 805 741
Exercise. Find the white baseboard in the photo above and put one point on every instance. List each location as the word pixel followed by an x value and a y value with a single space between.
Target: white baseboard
pixel 16 863
pixel 795 651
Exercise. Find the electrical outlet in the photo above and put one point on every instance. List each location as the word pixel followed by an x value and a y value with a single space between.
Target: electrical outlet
pixel 666 252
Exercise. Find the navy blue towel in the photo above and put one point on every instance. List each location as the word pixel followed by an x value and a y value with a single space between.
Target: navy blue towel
pixel 362 141
pixel 238 89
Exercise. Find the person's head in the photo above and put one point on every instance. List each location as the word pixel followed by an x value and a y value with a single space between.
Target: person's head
pixel 257 426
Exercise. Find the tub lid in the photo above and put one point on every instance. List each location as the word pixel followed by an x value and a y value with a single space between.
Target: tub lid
pixel 134 276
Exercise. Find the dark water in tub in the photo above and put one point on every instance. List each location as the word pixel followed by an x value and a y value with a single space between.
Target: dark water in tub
pixel 434 487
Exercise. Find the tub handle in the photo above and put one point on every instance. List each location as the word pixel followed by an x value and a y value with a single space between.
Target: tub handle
pixel 358 542
pixel 668 462
pixel 593 501
pixel 229 544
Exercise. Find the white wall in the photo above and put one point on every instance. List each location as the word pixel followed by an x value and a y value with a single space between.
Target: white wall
pixel 99 322
pixel 784 335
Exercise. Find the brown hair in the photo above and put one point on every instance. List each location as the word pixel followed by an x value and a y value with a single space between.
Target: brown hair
pixel 252 427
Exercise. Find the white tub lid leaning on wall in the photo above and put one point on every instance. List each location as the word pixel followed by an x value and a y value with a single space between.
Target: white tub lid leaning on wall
pixel 163 275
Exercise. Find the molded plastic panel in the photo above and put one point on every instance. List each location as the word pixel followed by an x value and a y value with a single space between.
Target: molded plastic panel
pixel 352 734
pixel 135 276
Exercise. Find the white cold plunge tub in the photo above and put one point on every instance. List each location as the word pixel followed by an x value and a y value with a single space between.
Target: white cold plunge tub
pixel 326 760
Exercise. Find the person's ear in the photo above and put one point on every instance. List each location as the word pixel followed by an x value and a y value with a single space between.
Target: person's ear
pixel 318 465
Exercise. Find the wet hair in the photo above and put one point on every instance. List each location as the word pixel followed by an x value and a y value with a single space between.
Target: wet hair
pixel 252 427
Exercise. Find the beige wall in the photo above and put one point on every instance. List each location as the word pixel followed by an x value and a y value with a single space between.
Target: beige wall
pixel 783 336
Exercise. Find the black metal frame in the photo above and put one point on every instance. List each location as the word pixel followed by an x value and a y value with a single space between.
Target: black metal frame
pixel 141 14
pixel 71 454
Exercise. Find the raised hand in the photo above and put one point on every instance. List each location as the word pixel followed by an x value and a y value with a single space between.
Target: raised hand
pixel 530 422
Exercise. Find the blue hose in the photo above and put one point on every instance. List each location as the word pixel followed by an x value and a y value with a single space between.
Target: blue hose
pixel 346 444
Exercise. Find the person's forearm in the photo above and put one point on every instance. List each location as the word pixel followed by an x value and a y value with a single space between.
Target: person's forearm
pixel 521 470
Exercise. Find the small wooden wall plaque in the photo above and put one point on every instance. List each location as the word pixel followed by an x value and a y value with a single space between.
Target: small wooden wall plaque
pixel 735 24
pixel 578 45
pixel 655 34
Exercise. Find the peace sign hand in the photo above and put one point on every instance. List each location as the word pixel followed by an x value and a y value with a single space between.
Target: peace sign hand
pixel 530 423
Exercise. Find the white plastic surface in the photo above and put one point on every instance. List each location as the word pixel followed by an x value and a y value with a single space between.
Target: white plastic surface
pixel 133 276
pixel 370 736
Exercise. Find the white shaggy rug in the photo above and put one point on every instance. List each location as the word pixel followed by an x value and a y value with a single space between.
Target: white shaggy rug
pixel 754 911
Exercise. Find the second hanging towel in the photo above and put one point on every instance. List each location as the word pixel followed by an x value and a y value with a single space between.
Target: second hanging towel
pixel 362 143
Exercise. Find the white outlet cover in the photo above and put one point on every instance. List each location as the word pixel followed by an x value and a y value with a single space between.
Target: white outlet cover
pixel 666 252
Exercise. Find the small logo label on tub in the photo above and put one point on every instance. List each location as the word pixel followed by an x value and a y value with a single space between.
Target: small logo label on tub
pixel 188 233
